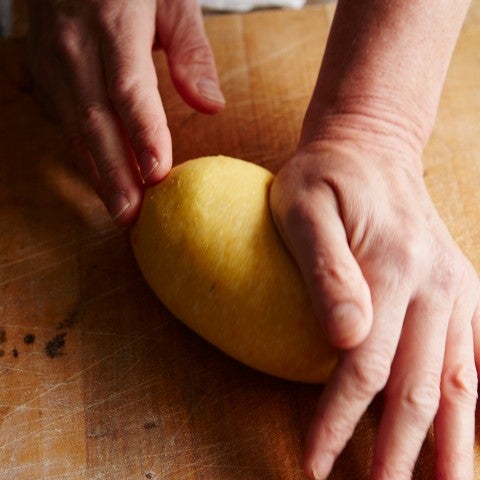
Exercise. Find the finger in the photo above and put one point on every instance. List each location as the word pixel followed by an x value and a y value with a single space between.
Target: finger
pixel 192 65
pixel 360 375
pixel 120 186
pixel 59 105
pixel 56 100
pixel 132 87
pixel 339 292
pixel 455 420
pixel 413 390
pixel 80 155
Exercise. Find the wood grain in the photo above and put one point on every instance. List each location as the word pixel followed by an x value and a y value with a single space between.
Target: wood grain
pixel 128 392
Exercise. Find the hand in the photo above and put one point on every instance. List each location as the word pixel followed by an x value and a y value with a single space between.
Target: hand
pixel 396 294
pixel 93 70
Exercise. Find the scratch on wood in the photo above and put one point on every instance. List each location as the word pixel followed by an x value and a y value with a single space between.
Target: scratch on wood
pixel 60 261
pixel 73 377
pixel 273 56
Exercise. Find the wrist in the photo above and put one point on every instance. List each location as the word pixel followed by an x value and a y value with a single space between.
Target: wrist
pixel 370 127
pixel 382 74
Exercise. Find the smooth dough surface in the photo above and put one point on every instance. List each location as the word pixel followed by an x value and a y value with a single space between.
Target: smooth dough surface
pixel 206 244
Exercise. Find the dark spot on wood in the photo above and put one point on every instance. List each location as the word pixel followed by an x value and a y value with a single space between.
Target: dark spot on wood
pixel 149 425
pixel 15 353
pixel 3 336
pixel 54 347
pixel 150 475
pixel 29 338
pixel 2 353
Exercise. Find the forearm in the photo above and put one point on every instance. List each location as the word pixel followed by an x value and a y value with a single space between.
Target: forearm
pixel 383 72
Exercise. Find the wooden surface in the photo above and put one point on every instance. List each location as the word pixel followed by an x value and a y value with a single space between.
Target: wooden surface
pixel 114 387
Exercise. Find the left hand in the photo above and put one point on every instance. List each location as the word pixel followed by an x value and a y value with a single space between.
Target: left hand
pixel 93 71
pixel 395 294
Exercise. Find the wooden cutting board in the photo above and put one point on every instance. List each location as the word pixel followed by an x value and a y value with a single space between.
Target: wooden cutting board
pixel 97 380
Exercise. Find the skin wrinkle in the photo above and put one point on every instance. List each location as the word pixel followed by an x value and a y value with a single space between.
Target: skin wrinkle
pixel 352 195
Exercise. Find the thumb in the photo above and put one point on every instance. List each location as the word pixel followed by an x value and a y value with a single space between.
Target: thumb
pixel 192 65
pixel 314 232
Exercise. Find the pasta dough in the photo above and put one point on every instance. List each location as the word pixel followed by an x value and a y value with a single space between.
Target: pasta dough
pixel 207 246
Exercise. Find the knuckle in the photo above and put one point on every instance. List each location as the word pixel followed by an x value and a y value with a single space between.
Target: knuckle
pixel 144 133
pixel 369 374
pixel 107 14
pixel 92 118
pixel 422 399
pixel 336 432
pixel 459 384
pixel 110 176
pixel 409 251
pixel 333 274
pixel 419 396
pixel 124 87
pixel 449 274
pixel 142 123
pixel 132 98
pixel 198 53
pixel 67 42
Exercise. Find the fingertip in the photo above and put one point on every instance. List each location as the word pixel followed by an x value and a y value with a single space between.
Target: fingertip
pixel 347 325
pixel 152 169
pixel 318 460
pixel 154 157
pixel 148 164
pixel 128 216
pixel 124 207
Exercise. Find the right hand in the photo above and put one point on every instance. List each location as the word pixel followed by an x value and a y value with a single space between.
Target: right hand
pixel 396 296
pixel 93 70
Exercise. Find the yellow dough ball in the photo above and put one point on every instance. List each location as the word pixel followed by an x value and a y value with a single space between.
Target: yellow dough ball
pixel 206 244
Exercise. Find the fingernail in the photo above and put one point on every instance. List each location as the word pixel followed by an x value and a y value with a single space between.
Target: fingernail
pixel 346 326
pixel 118 204
pixel 210 90
pixel 148 164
